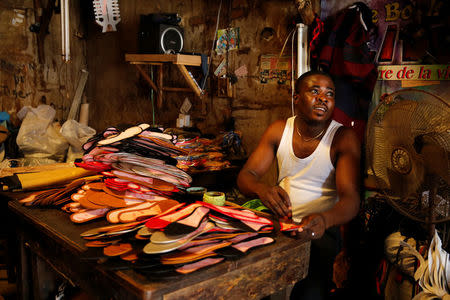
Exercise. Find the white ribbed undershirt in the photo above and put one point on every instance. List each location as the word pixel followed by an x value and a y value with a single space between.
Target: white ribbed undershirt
pixel 310 182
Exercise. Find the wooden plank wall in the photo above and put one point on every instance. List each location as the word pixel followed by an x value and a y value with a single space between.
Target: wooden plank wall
pixel 118 95
pixel 115 91
pixel 24 80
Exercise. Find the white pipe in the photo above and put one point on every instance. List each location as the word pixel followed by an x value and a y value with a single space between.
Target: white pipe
pixel 292 75
pixel 67 30
pixel 302 49
pixel 63 31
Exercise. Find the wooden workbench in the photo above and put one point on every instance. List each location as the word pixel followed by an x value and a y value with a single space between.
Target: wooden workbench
pixel 48 240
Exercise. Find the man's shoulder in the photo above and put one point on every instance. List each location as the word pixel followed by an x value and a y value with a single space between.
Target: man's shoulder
pixel 275 131
pixel 346 132
pixel 277 126
pixel 279 123
pixel 345 138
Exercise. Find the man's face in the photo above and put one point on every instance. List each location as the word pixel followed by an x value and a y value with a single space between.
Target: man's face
pixel 315 98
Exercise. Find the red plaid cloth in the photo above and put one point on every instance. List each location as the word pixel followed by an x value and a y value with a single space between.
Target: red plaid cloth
pixel 318 29
pixel 346 56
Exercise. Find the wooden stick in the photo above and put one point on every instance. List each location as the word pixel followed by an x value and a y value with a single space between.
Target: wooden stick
pixel 147 78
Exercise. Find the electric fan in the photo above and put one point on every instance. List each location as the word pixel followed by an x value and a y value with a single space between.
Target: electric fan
pixel 408 147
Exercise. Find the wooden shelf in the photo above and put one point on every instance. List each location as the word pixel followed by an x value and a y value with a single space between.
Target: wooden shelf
pixel 176 59
pixel 180 60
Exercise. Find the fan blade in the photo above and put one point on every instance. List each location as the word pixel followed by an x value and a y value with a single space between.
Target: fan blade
pixel 405 168
pixel 397 122
pixel 435 154
pixel 378 156
pixel 404 185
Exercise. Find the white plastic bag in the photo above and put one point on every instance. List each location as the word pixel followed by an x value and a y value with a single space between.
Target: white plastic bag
pixel 76 134
pixel 39 137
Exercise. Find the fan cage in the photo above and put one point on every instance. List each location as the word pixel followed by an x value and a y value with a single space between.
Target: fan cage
pixel 415 206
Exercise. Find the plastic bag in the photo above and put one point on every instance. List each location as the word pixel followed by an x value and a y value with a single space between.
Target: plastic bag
pixel 76 134
pixel 39 137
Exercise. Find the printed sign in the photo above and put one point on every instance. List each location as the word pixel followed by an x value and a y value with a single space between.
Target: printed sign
pixel 414 72
pixel 274 69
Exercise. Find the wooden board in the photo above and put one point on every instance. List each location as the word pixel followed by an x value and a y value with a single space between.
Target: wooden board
pixel 176 59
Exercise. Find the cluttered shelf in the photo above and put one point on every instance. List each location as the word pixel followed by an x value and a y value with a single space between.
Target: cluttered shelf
pixel 180 60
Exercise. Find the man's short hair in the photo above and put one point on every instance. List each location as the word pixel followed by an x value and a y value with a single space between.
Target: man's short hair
pixel 306 75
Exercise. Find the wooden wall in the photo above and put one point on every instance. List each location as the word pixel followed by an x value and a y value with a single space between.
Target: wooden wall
pixel 118 95
pixel 116 92
pixel 24 79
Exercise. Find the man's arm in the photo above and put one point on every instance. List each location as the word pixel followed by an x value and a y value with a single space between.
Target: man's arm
pixel 259 162
pixel 347 179
pixel 348 154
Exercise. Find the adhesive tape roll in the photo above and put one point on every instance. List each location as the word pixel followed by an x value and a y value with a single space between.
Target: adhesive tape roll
pixel 195 193
pixel 216 198
pixel 196 190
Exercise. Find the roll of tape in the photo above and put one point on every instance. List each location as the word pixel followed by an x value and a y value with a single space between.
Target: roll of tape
pixel 216 198
pixel 196 190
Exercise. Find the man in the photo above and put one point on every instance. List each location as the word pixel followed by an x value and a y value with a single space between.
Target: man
pixel 318 175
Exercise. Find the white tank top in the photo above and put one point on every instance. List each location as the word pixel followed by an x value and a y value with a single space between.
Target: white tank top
pixel 310 182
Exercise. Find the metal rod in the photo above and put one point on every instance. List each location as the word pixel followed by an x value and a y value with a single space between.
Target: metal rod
pixel 63 30
pixel 67 30
pixel 302 49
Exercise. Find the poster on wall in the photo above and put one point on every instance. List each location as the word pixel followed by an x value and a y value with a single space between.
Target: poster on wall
pixel 227 39
pixel 275 69
pixel 410 42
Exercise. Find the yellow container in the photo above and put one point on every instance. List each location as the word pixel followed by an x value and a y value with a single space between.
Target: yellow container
pixel 216 198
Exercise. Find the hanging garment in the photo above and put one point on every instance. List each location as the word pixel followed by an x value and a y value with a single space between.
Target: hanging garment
pixel 317 31
pixel 348 59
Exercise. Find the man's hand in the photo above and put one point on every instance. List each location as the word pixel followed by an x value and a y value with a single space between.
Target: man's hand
pixel 277 200
pixel 312 227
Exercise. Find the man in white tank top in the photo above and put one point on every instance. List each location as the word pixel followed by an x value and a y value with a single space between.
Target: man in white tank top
pixel 318 165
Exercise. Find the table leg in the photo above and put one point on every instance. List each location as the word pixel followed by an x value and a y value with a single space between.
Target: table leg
pixel 23 270
pixel 44 279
